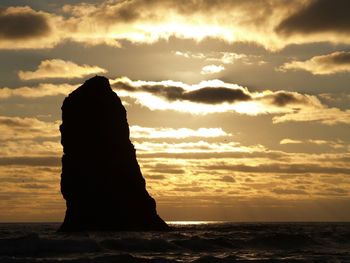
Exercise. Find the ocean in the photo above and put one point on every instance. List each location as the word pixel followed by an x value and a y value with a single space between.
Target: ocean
pixel 188 242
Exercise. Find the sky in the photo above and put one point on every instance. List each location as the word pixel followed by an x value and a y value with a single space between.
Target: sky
pixel 238 109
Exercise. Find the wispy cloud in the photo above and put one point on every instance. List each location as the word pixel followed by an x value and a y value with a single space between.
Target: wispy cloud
pixel 324 115
pixel 147 132
pixel 290 141
pixel 58 68
pixel 336 144
pixel 337 62
pixel 16 128
pixel 194 147
pixel 42 90
pixel 225 58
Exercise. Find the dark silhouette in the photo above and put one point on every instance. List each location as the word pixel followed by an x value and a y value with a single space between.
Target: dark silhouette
pixel 101 179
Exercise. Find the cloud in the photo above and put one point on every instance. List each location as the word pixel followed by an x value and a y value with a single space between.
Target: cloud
pixel 266 22
pixel 318 16
pixel 27 138
pixel 210 96
pixel 213 92
pixel 228 179
pixel 35 186
pixel 247 153
pixel 57 68
pixel 329 116
pixel 337 62
pixel 270 23
pixel 187 54
pixel 223 57
pixel 287 168
pixel 176 91
pixel 143 21
pixel 16 128
pixel 227 57
pixel 212 69
pixel 31 161
pixel 194 147
pixel 147 132
pixel 166 169
pixel 284 98
pixel 336 144
pixel 215 96
pixel 22 23
pixel 23 27
pixel 287 191
pixel 290 141
pixel 42 90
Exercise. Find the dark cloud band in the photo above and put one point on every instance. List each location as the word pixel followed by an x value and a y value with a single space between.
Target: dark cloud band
pixel 319 16
pixel 23 24
pixel 208 95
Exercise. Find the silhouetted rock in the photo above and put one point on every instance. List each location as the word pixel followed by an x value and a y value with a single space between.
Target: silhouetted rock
pixel 101 179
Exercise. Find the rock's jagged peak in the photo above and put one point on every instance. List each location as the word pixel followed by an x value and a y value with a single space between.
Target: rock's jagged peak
pixel 97 85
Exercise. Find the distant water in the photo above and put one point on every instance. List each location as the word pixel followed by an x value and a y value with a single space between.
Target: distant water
pixel 189 242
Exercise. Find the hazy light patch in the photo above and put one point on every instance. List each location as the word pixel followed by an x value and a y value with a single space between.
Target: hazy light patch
pixel 146 132
pixel 251 108
pixel 58 68
pixel 183 29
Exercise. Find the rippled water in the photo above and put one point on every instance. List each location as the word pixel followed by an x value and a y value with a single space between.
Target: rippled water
pixel 188 242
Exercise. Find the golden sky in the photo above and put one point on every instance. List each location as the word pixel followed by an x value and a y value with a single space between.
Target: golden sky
pixel 238 109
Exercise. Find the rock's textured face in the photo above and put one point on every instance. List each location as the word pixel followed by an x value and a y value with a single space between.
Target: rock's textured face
pixel 101 179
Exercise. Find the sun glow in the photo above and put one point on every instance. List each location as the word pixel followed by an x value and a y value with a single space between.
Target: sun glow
pixel 193 222
pixel 250 108
pixel 186 30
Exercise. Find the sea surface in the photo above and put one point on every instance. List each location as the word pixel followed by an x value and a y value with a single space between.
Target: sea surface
pixel 188 242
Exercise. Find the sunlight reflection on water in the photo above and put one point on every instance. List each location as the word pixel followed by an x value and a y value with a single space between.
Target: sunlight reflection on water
pixel 193 222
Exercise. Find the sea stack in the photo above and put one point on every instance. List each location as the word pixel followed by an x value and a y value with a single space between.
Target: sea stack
pixel 101 180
